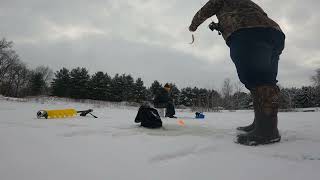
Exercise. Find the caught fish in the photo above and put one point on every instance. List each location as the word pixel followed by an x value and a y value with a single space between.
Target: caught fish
pixel 192 39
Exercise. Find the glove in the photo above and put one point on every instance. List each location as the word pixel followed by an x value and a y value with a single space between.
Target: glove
pixel 192 28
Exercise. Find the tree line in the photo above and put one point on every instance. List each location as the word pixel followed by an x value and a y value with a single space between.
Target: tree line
pixel 17 80
pixel 78 84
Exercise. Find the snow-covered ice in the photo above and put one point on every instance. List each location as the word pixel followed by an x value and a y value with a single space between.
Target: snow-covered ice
pixel 113 147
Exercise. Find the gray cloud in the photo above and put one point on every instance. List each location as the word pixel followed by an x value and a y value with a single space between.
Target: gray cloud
pixel 149 38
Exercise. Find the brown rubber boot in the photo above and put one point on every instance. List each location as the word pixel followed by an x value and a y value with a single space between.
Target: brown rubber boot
pixel 251 126
pixel 265 130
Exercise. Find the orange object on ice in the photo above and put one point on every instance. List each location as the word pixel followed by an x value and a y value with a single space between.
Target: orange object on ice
pixel 181 123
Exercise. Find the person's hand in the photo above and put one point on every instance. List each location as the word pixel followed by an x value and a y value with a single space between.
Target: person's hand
pixel 192 28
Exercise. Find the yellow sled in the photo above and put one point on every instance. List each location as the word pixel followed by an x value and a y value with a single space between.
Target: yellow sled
pixel 62 113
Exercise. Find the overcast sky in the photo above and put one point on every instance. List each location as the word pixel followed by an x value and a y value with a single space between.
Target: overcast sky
pixel 150 39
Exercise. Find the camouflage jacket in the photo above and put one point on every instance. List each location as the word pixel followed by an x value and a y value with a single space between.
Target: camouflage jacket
pixel 233 15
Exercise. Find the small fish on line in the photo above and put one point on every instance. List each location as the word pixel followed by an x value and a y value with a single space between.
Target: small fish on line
pixel 192 36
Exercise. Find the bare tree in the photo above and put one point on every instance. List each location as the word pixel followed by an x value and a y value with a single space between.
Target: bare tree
pixel 20 78
pixel 8 61
pixel 4 44
pixel 15 80
pixel 46 72
pixel 8 58
pixel 316 78
pixel 226 91
pixel 239 98
pixel 238 87
pixel 215 100
pixel 227 88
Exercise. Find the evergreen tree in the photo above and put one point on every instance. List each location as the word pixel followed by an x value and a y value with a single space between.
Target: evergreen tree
pixel 186 97
pixel 116 88
pixel 317 96
pixel 195 97
pixel 288 98
pixel 79 79
pixel 155 87
pixel 215 100
pixel 128 88
pixel 61 83
pixel 306 97
pixel 240 100
pixel 37 84
pixel 99 86
pixel 140 91
pixel 203 98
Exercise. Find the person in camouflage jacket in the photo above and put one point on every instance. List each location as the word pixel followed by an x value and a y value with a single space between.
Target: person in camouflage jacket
pixel 255 43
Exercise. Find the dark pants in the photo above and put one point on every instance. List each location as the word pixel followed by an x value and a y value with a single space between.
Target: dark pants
pixel 170 110
pixel 255 53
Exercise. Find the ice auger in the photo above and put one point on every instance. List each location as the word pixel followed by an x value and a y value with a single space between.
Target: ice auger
pixel 62 113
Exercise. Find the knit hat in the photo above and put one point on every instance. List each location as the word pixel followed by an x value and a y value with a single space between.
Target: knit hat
pixel 167 85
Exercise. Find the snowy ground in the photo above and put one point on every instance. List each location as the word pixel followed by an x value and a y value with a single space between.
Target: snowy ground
pixel 112 147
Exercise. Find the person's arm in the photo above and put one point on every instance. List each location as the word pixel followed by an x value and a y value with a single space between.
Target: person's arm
pixel 208 10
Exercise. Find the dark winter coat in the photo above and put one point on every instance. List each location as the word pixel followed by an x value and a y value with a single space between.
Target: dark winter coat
pixel 233 15
pixel 162 98
pixel 148 117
